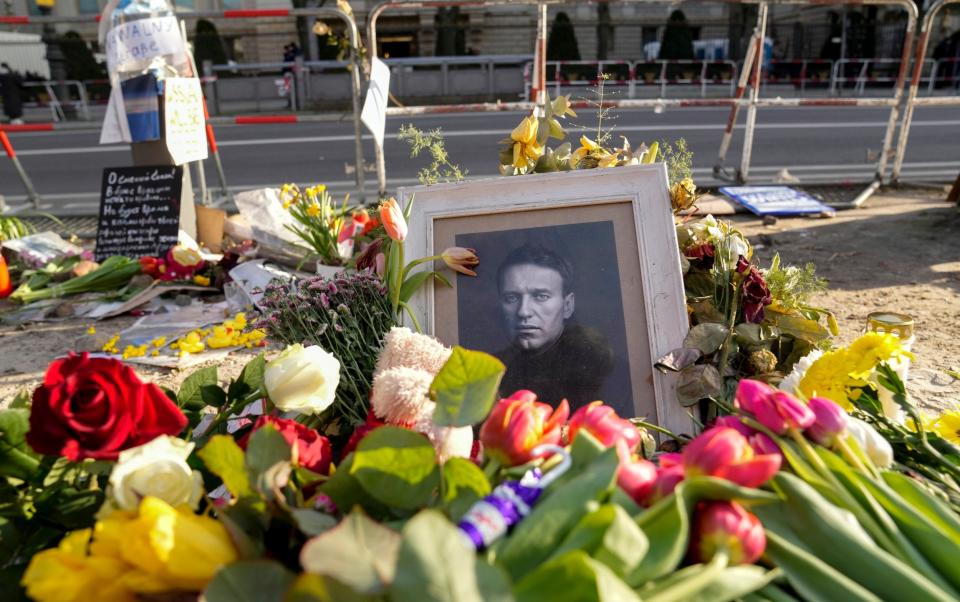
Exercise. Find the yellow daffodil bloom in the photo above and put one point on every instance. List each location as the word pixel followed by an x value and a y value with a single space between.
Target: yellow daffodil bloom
pixel 314 210
pixel 608 160
pixel 947 425
pixel 587 146
pixel 526 150
pixel 68 574
pixel 561 107
pixel 91 330
pixel 159 342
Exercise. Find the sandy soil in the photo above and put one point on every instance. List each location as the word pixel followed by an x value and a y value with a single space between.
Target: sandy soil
pixel 899 252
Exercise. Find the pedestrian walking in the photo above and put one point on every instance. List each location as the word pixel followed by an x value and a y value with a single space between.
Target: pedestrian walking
pixel 10 94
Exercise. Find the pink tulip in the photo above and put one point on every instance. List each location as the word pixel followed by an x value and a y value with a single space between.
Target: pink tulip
pixel 726 527
pixel 830 423
pixel 635 476
pixel 725 453
pixel 602 422
pixel 668 477
pixel 670 459
pixel 760 443
pixel 777 410
pixel 518 424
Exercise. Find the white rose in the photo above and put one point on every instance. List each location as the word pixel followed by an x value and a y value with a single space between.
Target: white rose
pixel 871 442
pixel 302 379
pixel 159 469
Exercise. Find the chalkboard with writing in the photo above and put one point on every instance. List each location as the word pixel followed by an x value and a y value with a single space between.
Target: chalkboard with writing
pixel 139 210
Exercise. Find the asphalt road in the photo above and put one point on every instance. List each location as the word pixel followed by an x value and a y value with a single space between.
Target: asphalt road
pixel 815 144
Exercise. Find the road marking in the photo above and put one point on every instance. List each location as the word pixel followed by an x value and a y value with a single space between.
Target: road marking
pixel 913 171
pixel 499 134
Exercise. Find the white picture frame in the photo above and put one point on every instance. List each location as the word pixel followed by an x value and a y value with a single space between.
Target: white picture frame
pixel 643 187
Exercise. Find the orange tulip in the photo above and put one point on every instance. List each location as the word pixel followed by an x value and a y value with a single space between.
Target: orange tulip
pixel 6 287
pixel 518 424
pixel 393 220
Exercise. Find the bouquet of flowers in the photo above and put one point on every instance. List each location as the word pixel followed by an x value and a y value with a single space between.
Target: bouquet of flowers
pixel 330 231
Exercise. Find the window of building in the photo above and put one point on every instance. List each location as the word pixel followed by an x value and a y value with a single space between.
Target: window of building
pixel 88 7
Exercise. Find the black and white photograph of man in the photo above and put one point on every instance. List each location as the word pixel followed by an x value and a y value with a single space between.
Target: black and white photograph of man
pixel 547 303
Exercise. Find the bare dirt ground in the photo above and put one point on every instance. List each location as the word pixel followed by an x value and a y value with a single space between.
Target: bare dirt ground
pixel 899 252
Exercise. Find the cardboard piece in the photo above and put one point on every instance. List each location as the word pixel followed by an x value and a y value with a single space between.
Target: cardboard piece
pixel 183 120
pixel 374 114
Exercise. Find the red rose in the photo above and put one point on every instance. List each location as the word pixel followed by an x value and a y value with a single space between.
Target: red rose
pixel 701 255
pixel 313 450
pixel 755 296
pixel 372 423
pixel 96 408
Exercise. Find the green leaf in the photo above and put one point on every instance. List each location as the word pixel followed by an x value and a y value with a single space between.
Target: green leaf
pixel 265 451
pixel 435 563
pixel 734 583
pixel 914 494
pixel 413 283
pixel 249 581
pixel 535 538
pixel 21 401
pixel 609 536
pixel 493 583
pixel 213 395
pixel 224 458
pixel 62 470
pixel 813 579
pixel 312 522
pixel 462 474
pixel 315 588
pixel 838 539
pixel 397 467
pixel 573 576
pixel 358 553
pixel 938 547
pixel 189 394
pixel 17 459
pixel 346 491
pixel 706 337
pixel 667 527
pixel 250 379
pixel 466 387
pixel 696 382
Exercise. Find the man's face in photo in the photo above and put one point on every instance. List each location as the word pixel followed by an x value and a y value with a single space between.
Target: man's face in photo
pixel 534 306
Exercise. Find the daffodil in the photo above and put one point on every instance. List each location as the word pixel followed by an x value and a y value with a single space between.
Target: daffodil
pixel 587 146
pixel 561 107
pixel 91 330
pixel 947 425
pixel 526 149
pixel 191 343
pixel 314 209
pixel 159 342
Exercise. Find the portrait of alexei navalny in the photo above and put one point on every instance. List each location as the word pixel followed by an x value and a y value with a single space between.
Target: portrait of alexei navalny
pixel 553 294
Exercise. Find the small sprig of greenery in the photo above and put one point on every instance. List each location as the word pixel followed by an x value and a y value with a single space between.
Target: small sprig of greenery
pixel 679 160
pixel 440 169
pixel 793 286
pixel 604 113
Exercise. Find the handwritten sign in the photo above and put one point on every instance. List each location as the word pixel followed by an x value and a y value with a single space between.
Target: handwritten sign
pixel 183 119
pixel 139 210
pixel 142 40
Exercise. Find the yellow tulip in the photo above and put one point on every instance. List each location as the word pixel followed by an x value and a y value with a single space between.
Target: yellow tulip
pixel 168 548
pixel 67 574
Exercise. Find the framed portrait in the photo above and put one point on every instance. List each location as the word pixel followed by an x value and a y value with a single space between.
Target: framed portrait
pixel 579 288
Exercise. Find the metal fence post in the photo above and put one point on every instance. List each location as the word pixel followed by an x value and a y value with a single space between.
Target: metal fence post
pixel 24 178
pixel 754 96
pixel 745 72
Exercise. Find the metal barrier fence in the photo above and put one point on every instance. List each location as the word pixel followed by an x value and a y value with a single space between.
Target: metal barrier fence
pixel 913 101
pixel 752 74
pixel 55 104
